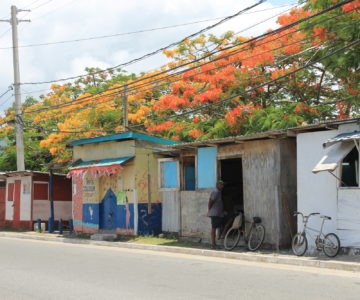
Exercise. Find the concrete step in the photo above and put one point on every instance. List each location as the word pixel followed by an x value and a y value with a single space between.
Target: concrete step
pixel 103 236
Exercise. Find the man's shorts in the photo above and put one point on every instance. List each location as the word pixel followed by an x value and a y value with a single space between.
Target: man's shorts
pixel 216 222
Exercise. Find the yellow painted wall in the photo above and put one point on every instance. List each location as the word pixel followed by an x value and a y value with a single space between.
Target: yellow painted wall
pixel 146 163
pixel 104 150
pixel 124 180
pixel 90 189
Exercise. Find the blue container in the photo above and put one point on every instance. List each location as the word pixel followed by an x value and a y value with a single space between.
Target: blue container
pixel 61 226
pixel 51 225
pixel 71 227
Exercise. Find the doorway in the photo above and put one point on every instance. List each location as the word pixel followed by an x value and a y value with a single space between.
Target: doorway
pixel 232 175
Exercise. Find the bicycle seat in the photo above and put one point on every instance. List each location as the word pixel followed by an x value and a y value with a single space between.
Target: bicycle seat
pixel 326 217
pixel 257 219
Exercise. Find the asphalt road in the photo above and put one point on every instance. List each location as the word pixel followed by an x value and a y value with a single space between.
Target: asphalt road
pixel 50 270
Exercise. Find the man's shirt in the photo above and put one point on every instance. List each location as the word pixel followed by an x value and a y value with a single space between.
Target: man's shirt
pixel 217 210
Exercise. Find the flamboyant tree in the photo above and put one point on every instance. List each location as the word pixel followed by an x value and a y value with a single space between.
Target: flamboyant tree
pixel 212 87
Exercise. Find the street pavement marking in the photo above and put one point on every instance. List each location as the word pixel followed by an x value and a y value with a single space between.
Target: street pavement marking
pixel 305 269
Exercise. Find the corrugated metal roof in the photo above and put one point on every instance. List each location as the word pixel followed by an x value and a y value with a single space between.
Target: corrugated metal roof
pixel 266 134
pixel 230 139
pixel 99 163
pixel 324 124
pixel 348 136
pixel 28 173
pixel 123 136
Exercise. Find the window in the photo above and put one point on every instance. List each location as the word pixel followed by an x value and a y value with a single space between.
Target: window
pixel 2 183
pixel 188 173
pixel 350 169
pixel 206 167
pixel 168 173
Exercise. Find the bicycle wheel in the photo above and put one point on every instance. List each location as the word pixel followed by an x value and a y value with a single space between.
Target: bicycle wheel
pixel 331 246
pixel 256 237
pixel 232 238
pixel 299 244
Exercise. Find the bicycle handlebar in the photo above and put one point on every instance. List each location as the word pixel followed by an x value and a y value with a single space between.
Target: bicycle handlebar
pixel 308 216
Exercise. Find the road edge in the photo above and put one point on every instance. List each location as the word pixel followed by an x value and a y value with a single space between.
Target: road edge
pixel 247 256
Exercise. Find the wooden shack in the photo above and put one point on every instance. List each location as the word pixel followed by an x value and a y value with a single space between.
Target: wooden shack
pixel 260 175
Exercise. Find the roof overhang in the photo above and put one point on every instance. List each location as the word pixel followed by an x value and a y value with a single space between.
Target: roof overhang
pixel 344 137
pixel 98 167
pixel 340 146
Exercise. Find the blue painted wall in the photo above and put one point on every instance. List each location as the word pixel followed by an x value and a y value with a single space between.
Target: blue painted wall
pixel 206 167
pixel 91 213
pixel 121 216
pixel 97 215
pixel 149 223
pixel 170 174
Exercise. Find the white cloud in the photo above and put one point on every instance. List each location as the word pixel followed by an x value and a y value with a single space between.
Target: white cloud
pixel 72 19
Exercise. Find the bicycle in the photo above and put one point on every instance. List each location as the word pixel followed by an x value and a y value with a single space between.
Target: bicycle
pixel 329 243
pixel 253 238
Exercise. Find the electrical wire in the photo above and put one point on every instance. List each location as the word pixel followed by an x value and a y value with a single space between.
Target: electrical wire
pixel 256 77
pixel 4 93
pixel 202 49
pixel 137 31
pixel 158 50
pixel 260 85
pixel 249 41
pixel 249 90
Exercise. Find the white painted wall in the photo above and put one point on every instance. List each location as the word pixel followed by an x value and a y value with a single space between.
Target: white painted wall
pixel 62 210
pixel 319 192
pixel 25 199
pixel 25 202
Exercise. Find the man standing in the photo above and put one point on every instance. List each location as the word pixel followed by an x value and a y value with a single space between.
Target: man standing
pixel 216 211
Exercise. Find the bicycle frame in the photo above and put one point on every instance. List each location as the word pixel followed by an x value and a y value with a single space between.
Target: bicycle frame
pixel 307 230
pixel 246 235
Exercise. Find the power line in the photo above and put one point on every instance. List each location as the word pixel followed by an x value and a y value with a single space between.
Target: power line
pixel 8 90
pixel 6 101
pixel 252 56
pixel 243 30
pixel 78 101
pixel 260 85
pixel 134 32
pixel 42 4
pixel 32 3
pixel 206 56
pixel 249 90
pixel 158 50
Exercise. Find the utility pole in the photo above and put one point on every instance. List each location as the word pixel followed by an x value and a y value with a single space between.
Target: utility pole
pixel 18 121
pixel 125 109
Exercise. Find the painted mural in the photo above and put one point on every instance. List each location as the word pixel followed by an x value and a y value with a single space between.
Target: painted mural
pixel 105 205
pixel 126 201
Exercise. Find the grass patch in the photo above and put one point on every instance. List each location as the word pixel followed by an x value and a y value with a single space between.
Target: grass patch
pixel 152 240
pixel 77 235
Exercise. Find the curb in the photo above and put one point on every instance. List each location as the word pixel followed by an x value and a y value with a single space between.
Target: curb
pixel 250 257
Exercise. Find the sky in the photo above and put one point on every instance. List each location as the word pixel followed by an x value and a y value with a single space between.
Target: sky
pixel 61 20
